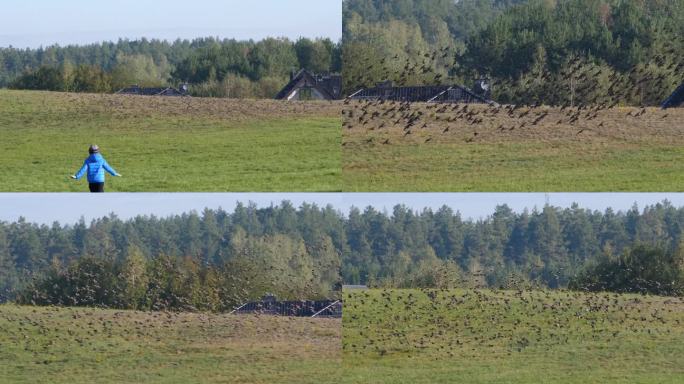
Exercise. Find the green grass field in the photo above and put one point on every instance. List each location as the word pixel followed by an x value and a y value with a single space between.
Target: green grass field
pixel 68 345
pixel 168 144
pixel 446 153
pixel 482 336
pixel 516 168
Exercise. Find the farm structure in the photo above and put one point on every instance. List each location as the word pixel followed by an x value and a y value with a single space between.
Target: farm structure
pixel 296 308
pixel 154 91
pixel 354 287
pixel 305 85
pixel 676 99
pixel 426 94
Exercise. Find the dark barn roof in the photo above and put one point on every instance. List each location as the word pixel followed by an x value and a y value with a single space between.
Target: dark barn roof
pixel 676 99
pixel 329 85
pixel 303 308
pixel 136 90
pixel 427 94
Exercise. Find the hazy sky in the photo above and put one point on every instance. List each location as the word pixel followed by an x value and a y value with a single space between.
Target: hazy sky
pixel 34 23
pixel 69 207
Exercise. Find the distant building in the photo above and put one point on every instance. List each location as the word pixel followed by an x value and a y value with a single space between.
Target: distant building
pixel 147 91
pixel 353 287
pixel 305 85
pixel 676 99
pixel 427 93
pixel 269 305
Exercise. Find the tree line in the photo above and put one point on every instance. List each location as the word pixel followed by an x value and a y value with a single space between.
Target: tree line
pixel 568 52
pixel 231 257
pixel 641 270
pixel 547 247
pixel 214 67
pixel 307 252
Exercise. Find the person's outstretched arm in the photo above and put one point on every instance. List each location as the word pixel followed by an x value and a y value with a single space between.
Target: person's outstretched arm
pixel 109 169
pixel 81 171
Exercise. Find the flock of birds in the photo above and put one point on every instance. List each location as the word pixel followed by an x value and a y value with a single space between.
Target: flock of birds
pixel 49 334
pixel 433 323
pixel 69 335
pixel 380 119
pixel 124 107
pixel 240 289
pixel 383 122
pixel 442 323
pixel 430 66
pixel 427 322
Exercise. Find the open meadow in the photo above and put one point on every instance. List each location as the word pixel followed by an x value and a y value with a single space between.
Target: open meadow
pixel 168 143
pixel 486 336
pixel 391 146
pixel 85 345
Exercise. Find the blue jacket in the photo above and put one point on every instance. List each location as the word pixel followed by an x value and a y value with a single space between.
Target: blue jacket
pixel 96 166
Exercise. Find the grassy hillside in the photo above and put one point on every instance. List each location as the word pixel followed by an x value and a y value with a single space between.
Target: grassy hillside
pixel 169 144
pixel 492 149
pixel 66 345
pixel 482 336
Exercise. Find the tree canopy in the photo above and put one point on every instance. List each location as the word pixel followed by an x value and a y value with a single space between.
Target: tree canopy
pixel 536 51
pixel 306 252
pixel 214 67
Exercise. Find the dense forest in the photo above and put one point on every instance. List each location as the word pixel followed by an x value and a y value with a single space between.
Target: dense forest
pixel 307 252
pixel 556 52
pixel 281 250
pixel 213 67
pixel 547 246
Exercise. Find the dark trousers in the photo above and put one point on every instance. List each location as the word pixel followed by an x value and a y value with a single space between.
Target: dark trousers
pixel 96 187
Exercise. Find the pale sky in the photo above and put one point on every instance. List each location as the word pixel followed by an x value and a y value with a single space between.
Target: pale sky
pixel 34 23
pixel 69 207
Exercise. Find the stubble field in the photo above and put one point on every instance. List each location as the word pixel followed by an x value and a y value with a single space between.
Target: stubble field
pixel 87 345
pixel 458 147
pixel 484 336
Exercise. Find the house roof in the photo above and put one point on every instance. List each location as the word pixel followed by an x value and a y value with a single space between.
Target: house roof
pixel 425 93
pixel 328 85
pixel 153 91
pixel 676 99
pixel 354 286
pixel 304 308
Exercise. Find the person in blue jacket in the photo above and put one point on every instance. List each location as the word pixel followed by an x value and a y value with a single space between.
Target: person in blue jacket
pixel 95 165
